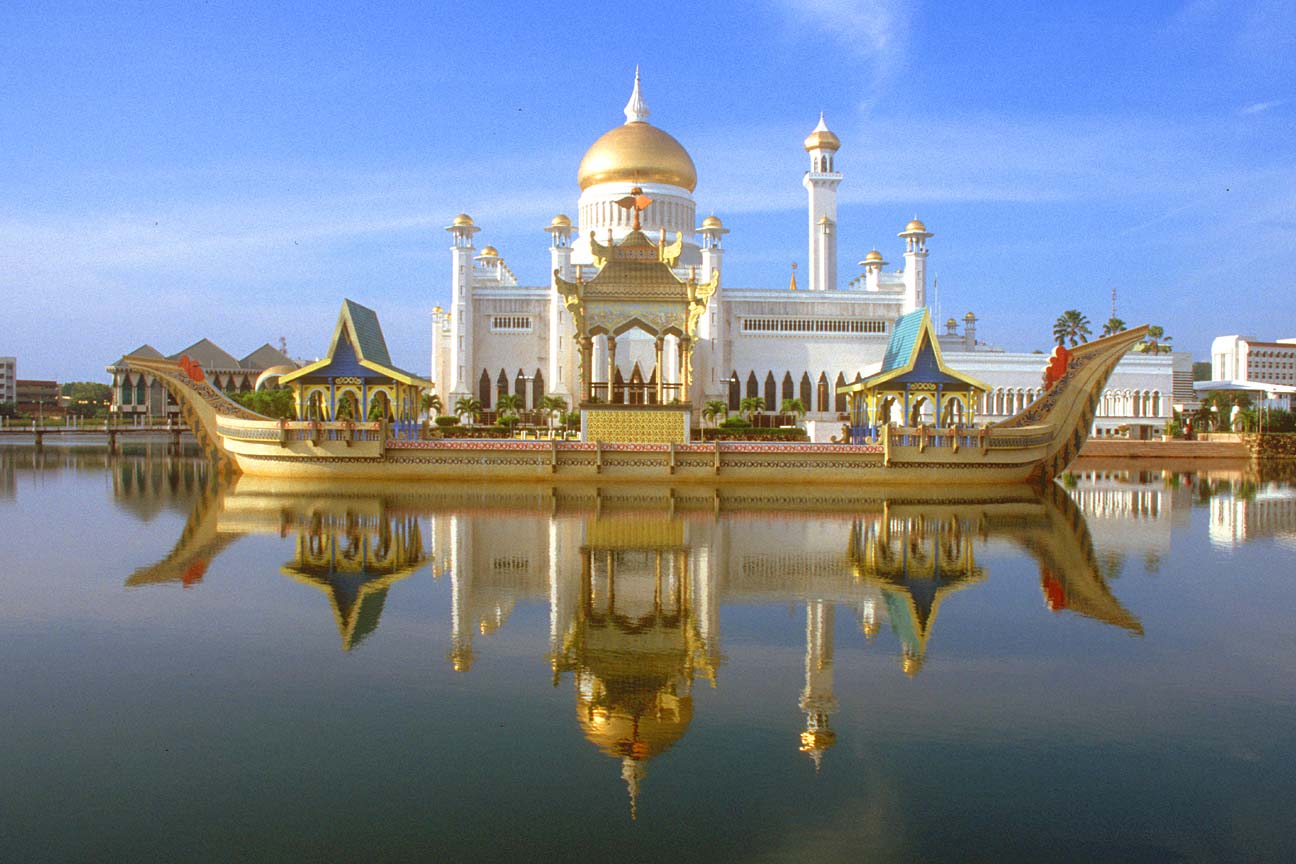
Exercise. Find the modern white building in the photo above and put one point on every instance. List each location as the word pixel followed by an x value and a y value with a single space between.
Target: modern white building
pixel 8 379
pixel 1267 370
pixel 776 341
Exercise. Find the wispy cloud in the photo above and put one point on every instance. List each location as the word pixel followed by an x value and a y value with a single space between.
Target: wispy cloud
pixel 1260 107
pixel 875 32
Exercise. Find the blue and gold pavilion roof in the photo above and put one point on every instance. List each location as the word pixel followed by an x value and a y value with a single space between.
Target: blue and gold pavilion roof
pixel 913 356
pixel 358 348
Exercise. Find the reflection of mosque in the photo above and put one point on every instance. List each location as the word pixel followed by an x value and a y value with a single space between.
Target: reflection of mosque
pixel 634 579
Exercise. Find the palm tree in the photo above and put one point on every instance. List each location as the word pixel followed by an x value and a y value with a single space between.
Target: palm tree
pixel 510 403
pixel 1155 341
pixel 715 409
pixel 793 406
pixel 553 406
pixel 430 404
pixel 468 405
pixel 751 405
pixel 1113 326
pixel 1073 325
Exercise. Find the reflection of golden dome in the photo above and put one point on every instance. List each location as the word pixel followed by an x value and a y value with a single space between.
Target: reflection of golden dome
pixel 875 255
pixel 463 220
pixel 637 153
pixel 633 731
pixel 817 740
pixel 490 252
pixel 911 664
pixel 561 221
pixel 914 225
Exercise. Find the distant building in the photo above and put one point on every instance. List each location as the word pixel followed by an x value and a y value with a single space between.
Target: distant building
pixel 38 397
pixel 8 379
pixel 1266 370
pixel 135 394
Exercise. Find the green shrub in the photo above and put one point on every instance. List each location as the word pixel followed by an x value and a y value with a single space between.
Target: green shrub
pixel 735 423
pixel 447 420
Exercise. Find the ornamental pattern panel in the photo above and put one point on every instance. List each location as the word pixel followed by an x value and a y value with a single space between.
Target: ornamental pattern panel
pixel 661 427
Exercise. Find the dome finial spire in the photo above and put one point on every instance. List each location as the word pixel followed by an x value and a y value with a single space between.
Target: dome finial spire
pixel 636 109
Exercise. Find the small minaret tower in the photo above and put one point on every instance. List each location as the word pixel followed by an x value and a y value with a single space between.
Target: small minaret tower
pixel 817 699
pixel 558 376
pixel 461 231
pixel 872 265
pixel 915 235
pixel 715 350
pixel 821 183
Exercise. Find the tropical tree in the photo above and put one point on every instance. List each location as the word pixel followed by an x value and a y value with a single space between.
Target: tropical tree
pixel 1155 341
pixel 510 404
pixel 715 410
pixel 751 405
pixel 793 406
pixel 554 407
pixel 1071 325
pixel 1113 326
pixel 430 404
pixel 468 405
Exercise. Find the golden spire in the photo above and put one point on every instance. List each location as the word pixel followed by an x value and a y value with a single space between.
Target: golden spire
pixel 792 284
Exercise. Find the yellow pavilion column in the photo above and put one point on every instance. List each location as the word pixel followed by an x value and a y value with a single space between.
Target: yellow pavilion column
pixel 686 376
pixel 587 367
pixel 611 374
pixel 658 343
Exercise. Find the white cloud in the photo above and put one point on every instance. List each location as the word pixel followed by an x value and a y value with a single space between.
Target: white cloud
pixel 1260 107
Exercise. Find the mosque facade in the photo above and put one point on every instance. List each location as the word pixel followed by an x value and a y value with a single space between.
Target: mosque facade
pixel 800 340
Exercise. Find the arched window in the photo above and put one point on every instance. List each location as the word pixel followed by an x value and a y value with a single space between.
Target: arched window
pixel 537 389
pixel 735 392
pixel 804 395
pixel 753 389
pixel 519 387
pixel 501 385
pixel 483 392
pixel 822 403
pixel 787 386
pixel 839 404
pixel 139 391
pixel 771 392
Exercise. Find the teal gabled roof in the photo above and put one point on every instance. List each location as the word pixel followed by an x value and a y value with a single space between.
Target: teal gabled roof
pixel 905 334
pixel 370 343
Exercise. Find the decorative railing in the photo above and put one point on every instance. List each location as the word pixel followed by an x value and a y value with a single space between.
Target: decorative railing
pixel 285 431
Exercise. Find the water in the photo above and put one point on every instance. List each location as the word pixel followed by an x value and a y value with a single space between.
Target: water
pixel 197 671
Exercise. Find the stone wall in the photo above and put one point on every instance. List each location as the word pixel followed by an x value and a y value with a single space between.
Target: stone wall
pixel 1270 445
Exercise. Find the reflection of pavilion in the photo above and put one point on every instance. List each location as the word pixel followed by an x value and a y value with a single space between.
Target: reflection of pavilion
pixel 637 637
pixel 917 560
pixel 354 557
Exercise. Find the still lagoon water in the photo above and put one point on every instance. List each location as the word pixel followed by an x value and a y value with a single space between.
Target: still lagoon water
pixel 201 670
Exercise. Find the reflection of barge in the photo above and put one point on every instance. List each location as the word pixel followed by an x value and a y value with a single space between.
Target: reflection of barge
pixel 1034 445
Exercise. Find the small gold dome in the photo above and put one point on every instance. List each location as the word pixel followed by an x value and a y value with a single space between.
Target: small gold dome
pixel 489 252
pixel 561 221
pixel 711 222
pixel 951 323
pixel 822 138
pixel 875 255
pixel 637 153
pixel 915 225
pixel 463 220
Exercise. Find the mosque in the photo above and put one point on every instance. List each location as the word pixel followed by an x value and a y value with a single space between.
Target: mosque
pixel 803 341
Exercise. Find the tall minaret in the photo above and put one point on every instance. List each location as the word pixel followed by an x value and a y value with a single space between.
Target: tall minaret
pixel 817 699
pixel 558 376
pixel 715 347
pixel 915 235
pixel 821 183
pixel 461 231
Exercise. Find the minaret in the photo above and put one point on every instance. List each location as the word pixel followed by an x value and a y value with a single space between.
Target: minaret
pixel 438 373
pixel 714 355
pixel 821 183
pixel 915 235
pixel 461 231
pixel 559 373
pixel 872 265
pixel 817 699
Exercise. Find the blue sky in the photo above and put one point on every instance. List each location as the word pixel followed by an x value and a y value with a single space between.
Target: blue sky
pixel 232 170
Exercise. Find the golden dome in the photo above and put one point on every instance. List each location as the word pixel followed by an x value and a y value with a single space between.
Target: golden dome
pixel 561 221
pixel 637 731
pixel 822 138
pixel 463 220
pixel 637 152
pixel 489 252
pixel 914 225
pixel 875 255
pixel 711 222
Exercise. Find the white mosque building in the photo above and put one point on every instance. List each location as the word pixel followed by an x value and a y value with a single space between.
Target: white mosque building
pixel 498 336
